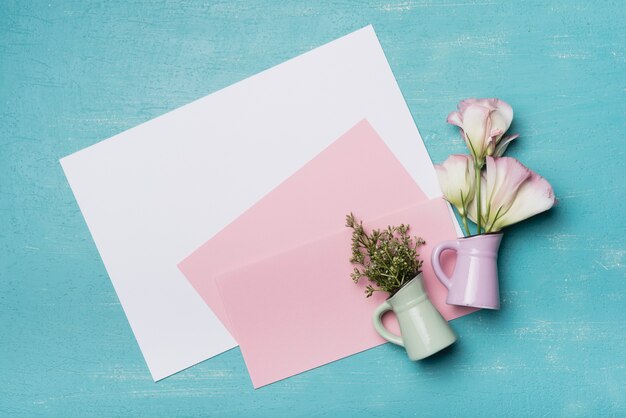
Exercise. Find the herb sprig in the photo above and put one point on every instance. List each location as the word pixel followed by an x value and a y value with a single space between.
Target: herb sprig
pixel 388 258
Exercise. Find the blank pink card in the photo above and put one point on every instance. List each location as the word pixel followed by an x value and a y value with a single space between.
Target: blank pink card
pixel 300 309
pixel 357 172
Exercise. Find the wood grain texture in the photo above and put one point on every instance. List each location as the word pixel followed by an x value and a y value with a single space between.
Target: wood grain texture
pixel 75 72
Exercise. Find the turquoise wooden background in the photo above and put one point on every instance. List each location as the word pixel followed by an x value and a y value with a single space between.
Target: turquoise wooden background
pixel 75 72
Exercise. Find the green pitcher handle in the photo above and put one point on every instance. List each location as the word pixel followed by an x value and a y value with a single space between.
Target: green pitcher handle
pixel 377 319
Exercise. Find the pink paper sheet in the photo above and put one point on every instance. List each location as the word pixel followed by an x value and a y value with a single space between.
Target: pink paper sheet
pixel 356 173
pixel 300 309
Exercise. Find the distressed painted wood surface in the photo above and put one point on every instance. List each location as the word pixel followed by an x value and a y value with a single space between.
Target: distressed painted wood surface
pixel 75 72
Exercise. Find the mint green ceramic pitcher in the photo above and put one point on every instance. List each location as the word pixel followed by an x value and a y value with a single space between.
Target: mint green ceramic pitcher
pixel 423 330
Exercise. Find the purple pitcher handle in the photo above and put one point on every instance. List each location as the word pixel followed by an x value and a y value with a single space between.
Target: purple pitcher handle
pixel 435 261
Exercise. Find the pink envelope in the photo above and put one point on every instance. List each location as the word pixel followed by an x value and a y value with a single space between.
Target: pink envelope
pixel 300 309
pixel 356 173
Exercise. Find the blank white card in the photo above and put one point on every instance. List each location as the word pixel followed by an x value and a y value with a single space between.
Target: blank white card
pixel 153 194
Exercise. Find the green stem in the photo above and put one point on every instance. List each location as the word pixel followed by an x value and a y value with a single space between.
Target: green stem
pixel 489 228
pixel 465 225
pixel 463 214
pixel 479 221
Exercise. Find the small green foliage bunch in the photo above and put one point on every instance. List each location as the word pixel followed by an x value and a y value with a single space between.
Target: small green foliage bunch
pixel 387 258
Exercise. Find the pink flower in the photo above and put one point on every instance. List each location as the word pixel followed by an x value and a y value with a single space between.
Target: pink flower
pixel 511 193
pixel 456 177
pixel 483 123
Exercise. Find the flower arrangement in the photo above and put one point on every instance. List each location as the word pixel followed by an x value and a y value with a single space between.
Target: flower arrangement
pixel 388 258
pixel 491 190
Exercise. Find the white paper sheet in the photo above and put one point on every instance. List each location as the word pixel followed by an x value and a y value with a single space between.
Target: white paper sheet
pixel 154 193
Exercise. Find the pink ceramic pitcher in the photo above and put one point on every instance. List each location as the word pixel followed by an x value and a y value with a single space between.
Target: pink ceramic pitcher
pixel 474 281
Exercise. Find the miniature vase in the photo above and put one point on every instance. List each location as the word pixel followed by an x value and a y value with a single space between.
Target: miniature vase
pixel 474 281
pixel 423 330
